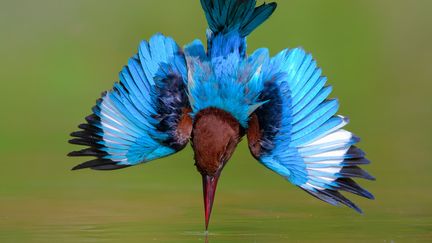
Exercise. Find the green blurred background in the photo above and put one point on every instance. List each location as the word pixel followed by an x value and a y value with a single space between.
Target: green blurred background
pixel 57 56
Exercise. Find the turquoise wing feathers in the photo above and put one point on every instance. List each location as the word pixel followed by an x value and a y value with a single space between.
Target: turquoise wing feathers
pixel 145 115
pixel 298 134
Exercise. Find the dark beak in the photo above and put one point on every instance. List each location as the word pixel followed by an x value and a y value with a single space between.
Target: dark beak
pixel 209 189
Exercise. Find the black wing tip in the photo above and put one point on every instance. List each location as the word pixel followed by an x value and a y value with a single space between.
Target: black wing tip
pixel 356 139
pixel 88 152
pixel 80 167
pixel 358 210
pixel 75 134
pixel 355 152
pixel 90 142
pixel 349 185
pixel 73 154
pixel 355 171
pixel 356 161
pixel 92 118
pixel 76 168
pixel 336 195
pixel 79 141
pixel 93 163
pixel 100 164
pixel 335 198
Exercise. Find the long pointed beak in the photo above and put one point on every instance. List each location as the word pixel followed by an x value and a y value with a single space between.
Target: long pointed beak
pixel 209 189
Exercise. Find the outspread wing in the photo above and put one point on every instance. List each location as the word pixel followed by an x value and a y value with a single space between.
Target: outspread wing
pixel 298 135
pixel 145 116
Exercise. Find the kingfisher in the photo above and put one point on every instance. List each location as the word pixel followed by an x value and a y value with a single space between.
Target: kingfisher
pixel 213 96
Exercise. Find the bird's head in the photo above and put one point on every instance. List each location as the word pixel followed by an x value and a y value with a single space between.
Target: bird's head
pixel 215 135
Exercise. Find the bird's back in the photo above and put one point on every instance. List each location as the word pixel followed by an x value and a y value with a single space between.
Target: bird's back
pixel 223 76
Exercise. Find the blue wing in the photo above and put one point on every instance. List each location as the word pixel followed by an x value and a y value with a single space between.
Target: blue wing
pixel 145 115
pixel 298 135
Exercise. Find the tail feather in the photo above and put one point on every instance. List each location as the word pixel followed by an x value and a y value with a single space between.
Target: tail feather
pixel 224 16
pixel 259 15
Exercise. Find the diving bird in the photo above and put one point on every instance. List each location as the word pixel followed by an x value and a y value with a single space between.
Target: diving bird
pixel 214 96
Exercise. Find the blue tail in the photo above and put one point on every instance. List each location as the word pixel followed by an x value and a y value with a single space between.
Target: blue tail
pixel 224 16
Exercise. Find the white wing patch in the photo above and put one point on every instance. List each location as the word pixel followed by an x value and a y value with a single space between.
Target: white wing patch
pixel 324 157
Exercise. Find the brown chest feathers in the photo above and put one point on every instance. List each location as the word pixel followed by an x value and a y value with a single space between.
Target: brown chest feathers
pixel 215 135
